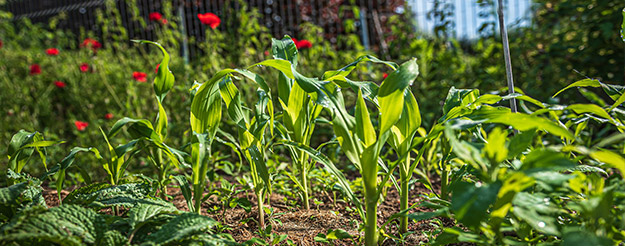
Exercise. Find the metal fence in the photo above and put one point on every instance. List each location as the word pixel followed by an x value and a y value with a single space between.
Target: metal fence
pixel 459 18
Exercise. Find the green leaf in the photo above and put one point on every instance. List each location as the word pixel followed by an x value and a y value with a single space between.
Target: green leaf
pixel 143 212
pixel 20 196
pixel 181 227
pixel 545 159
pixel 582 237
pixel 524 122
pixel 138 128
pixel 581 83
pixel 186 192
pixel 590 108
pixel 470 202
pixel 161 121
pixel 458 98
pixel 258 160
pixel 391 93
pixel 63 225
pixel 284 49
pixel 101 195
pixel 206 110
pixel 364 128
pixel 164 80
pixel 612 159
pixel 520 143
pixel 346 70
pixel 495 148
pixel 537 211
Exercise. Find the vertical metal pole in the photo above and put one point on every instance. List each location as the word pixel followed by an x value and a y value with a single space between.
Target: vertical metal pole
pixel 506 55
pixel 364 28
pixel 185 42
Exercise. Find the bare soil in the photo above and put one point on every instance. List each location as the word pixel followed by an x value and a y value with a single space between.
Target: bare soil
pixel 302 225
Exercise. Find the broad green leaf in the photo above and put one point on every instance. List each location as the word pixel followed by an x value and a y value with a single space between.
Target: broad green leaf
pixel 391 93
pixel 164 80
pixel 524 122
pixel 181 227
pixel 583 237
pixel 183 183
pixel 20 196
pixel 581 83
pixel 589 108
pixel 232 98
pixel 612 159
pixel 102 195
pixel 537 211
pixel 470 202
pixel 466 151
pixel 512 185
pixel 138 128
pixel 282 65
pixel 545 159
pixel 364 128
pixel 520 143
pixel 458 98
pixel 495 149
pixel 161 121
pixel 206 110
pixel 258 160
pixel 346 70
pixel 143 212
pixel 410 119
pixel 63 225
pixel 620 100
pixel 284 49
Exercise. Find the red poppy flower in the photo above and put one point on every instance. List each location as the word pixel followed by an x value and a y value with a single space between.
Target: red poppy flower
pixel 59 84
pixel 156 70
pixel 302 44
pixel 139 76
pixel 155 16
pixel 91 43
pixel 209 19
pixel 384 75
pixel 84 67
pixel 52 51
pixel 266 52
pixel 108 116
pixel 0 43
pixel 164 21
pixel 81 125
pixel 35 69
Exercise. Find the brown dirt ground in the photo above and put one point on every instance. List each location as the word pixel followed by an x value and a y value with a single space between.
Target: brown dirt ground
pixel 300 225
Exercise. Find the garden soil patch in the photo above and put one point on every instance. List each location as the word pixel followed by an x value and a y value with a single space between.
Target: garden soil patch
pixel 300 225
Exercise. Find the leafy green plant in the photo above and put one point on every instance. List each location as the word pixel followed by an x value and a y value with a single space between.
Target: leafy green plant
pixel 23 144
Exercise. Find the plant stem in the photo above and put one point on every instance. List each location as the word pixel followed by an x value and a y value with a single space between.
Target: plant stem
pixel 506 55
pixel 198 189
pixel 304 180
pixel 403 204
pixel 444 180
pixel 261 211
pixel 371 214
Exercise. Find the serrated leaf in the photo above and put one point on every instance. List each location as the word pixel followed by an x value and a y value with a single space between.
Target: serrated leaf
pixel 145 211
pixel 181 227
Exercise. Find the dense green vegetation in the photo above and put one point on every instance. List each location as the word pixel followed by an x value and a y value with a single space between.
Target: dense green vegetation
pixel 292 123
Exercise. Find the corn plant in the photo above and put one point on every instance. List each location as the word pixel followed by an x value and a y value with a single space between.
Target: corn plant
pixel 23 144
pixel 205 118
pixel 144 130
pixel 300 112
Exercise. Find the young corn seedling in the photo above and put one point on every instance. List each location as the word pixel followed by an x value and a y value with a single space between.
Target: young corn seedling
pixel 141 129
pixel 205 118
pixel 23 144
pixel 300 112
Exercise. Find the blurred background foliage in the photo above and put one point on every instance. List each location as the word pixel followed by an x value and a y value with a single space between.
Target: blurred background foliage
pixel 567 40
